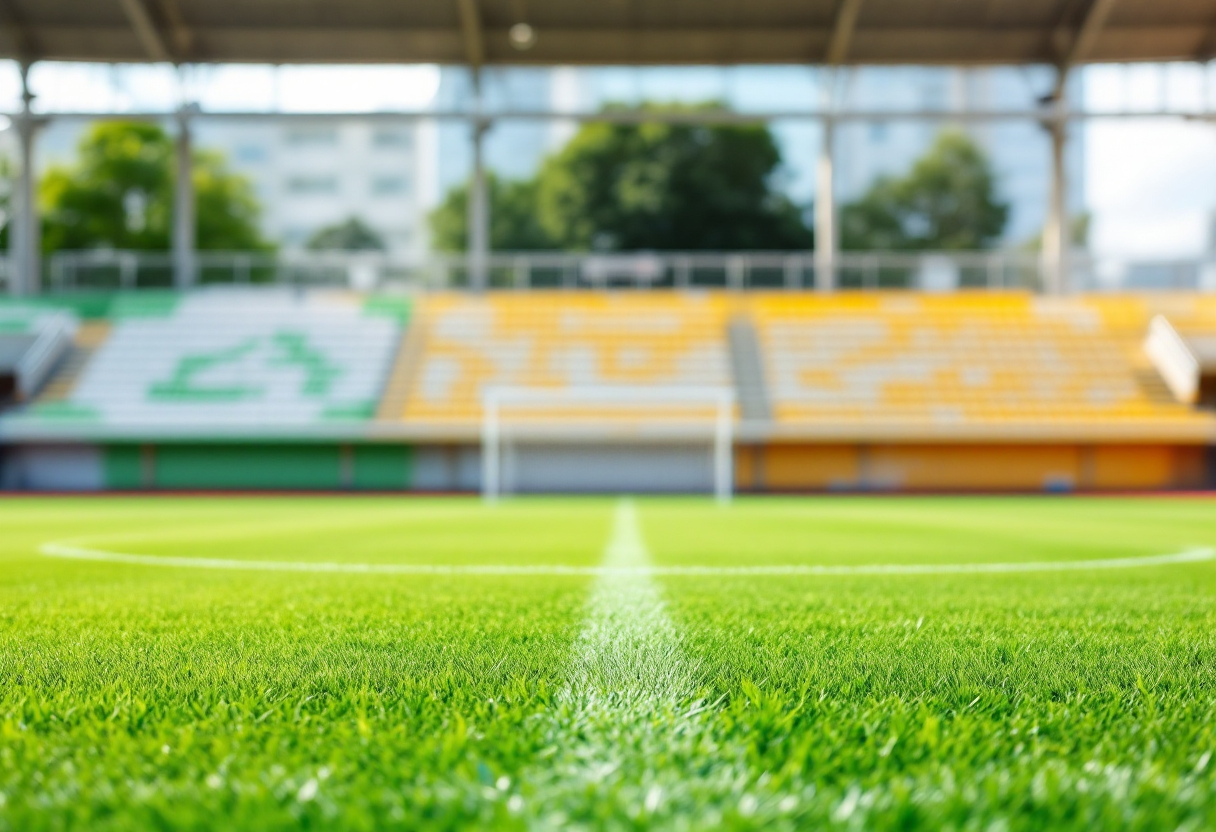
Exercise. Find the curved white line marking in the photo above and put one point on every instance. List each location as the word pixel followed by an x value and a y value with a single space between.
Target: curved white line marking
pixel 69 552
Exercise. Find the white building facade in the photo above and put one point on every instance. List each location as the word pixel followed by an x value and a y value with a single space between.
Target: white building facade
pixel 309 174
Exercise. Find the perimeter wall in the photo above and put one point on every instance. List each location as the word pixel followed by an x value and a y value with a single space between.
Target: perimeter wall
pixel 759 468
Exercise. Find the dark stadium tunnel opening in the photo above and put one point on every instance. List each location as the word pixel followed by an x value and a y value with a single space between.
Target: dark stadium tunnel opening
pixel 8 388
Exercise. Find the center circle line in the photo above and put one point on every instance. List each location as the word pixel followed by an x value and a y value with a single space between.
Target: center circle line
pixel 66 551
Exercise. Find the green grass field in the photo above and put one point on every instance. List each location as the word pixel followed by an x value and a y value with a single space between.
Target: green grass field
pixel 621 677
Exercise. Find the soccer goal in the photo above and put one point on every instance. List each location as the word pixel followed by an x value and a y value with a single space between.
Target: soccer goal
pixel 630 419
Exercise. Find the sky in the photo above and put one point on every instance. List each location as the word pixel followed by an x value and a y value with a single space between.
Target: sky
pixel 1150 184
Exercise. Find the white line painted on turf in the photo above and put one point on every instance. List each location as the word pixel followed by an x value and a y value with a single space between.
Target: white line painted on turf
pixel 626 702
pixel 619 567
pixel 628 644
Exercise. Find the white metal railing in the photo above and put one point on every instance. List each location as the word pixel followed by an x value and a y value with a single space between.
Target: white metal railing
pixel 53 340
pixel 929 271
pixel 1173 359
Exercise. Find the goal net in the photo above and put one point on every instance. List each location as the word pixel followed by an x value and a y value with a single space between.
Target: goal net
pixel 580 434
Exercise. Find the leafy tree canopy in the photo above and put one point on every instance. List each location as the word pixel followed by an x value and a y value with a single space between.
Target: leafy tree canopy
pixel 947 202
pixel 119 194
pixel 352 234
pixel 7 184
pixel 643 186
pixel 514 223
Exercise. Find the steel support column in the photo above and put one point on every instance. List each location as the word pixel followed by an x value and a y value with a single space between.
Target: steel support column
pixel 1056 236
pixel 479 214
pixel 827 240
pixel 25 232
pixel 478 219
pixel 184 222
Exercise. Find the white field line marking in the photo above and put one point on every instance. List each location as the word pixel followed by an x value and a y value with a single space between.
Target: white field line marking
pixel 618 567
pixel 628 645
pixel 626 702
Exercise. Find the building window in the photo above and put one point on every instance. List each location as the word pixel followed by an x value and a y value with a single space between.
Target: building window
pixel 312 185
pixel 250 153
pixel 311 137
pixel 296 236
pixel 388 185
pixel 391 138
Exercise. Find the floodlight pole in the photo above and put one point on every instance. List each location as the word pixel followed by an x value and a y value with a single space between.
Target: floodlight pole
pixel 184 207
pixel 25 237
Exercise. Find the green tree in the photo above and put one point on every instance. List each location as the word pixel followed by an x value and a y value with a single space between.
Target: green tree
pixel 947 202
pixel 514 223
pixel 643 186
pixel 1078 233
pixel 352 234
pixel 7 185
pixel 119 194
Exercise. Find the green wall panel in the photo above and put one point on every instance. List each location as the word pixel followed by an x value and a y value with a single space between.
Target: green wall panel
pixel 248 466
pixel 123 466
pixel 333 467
pixel 383 467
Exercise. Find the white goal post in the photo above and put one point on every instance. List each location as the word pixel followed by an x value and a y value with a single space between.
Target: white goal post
pixel 597 414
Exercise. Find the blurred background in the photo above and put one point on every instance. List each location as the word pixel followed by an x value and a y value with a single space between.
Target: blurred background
pixel 1138 188
pixel 509 245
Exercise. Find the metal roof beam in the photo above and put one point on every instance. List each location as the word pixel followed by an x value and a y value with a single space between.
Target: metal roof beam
pixel 652 116
pixel 470 30
pixel 842 31
pixel 183 37
pixel 442 41
pixel 1082 42
pixel 12 22
pixel 1087 35
pixel 145 30
pixel 1207 46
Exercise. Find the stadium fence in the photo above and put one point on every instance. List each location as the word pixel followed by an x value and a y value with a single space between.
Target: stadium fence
pixel 934 271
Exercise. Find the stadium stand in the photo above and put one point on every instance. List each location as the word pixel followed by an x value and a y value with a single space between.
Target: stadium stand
pixel 218 358
pixel 952 391
pixel 89 336
pixel 923 361
pixel 561 341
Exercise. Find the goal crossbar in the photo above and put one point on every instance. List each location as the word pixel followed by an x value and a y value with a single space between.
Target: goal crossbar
pixel 714 409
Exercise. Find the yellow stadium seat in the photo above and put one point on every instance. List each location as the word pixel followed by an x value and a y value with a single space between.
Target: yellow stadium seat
pixel 560 341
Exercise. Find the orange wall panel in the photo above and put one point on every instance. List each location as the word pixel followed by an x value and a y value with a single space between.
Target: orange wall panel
pixel 963 467
pixel 794 467
pixel 747 467
pixel 1131 466
pixel 980 467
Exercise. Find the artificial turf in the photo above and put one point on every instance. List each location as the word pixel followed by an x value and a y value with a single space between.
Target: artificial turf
pixel 136 696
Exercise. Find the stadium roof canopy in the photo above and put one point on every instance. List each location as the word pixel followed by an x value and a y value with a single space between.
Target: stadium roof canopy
pixel 610 31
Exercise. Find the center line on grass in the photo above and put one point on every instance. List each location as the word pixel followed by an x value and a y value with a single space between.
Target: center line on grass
pixel 627 701
pixel 617 566
pixel 628 644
